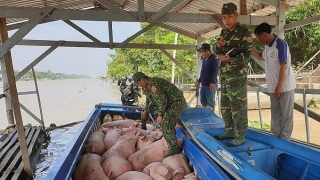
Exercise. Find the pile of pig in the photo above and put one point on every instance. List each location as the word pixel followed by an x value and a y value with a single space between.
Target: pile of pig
pixel 120 150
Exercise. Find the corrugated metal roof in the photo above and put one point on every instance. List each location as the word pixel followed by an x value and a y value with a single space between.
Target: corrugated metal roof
pixel 205 30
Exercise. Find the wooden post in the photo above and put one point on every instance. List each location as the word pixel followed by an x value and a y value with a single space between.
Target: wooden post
pixel 243 7
pixel 15 101
pixel 7 57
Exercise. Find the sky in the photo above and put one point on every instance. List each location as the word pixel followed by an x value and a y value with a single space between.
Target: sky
pixel 67 60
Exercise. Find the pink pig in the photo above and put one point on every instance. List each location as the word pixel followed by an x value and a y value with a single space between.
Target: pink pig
pixel 159 171
pixel 121 123
pixel 178 161
pixel 114 160
pixel 144 141
pixel 89 168
pixel 95 143
pixel 111 137
pixel 155 152
pixel 134 175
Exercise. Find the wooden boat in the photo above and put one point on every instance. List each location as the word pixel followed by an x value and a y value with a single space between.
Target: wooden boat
pixel 64 168
pixel 263 156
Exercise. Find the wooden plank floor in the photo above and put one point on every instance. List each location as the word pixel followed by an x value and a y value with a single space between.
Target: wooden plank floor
pixel 11 165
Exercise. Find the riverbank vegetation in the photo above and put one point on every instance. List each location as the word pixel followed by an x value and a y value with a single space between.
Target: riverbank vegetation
pixel 303 42
pixel 49 75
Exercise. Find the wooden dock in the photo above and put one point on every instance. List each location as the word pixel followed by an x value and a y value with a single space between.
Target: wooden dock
pixel 11 165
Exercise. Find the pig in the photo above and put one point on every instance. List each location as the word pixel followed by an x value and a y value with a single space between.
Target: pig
pixel 131 129
pixel 144 141
pixel 191 176
pixel 122 123
pixel 134 175
pixel 95 143
pixel 155 152
pixel 117 117
pixel 89 168
pixel 175 162
pixel 160 171
pixel 107 118
pixel 111 137
pixel 114 160
pixel 157 134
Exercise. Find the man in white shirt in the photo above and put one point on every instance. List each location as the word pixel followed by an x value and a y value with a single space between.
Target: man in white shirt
pixel 280 79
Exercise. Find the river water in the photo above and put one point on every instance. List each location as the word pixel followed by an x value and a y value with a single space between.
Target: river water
pixel 69 101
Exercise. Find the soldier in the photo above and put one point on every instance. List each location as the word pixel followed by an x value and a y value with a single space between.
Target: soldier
pixel 170 103
pixel 150 106
pixel 233 50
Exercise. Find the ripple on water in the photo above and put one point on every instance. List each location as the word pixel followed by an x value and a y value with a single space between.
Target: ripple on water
pixel 51 152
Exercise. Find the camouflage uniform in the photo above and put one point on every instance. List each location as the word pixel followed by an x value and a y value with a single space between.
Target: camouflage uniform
pixel 233 78
pixel 150 106
pixel 170 102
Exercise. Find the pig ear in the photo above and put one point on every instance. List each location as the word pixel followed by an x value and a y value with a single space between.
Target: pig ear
pixel 162 170
pixel 178 171
pixel 136 132
pixel 143 138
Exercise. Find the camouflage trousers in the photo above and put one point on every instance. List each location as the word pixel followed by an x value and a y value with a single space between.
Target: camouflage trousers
pixel 170 118
pixel 234 104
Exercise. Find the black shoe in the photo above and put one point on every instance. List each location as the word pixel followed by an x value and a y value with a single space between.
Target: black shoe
pixel 143 126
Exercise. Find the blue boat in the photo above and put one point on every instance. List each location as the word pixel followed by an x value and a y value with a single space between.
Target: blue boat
pixel 263 156
pixel 203 165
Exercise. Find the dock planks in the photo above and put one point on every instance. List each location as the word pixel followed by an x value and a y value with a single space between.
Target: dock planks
pixel 11 165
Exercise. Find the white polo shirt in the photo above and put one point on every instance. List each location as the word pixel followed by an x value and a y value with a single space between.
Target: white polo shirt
pixel 275 53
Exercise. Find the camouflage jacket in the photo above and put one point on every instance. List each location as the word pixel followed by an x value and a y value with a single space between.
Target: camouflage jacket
pixel 240 39
pixel 150 102
pixel 163 93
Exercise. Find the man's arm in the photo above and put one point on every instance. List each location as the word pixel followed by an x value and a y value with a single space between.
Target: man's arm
pixel 256 54
pixel 244 56
pixel 159 98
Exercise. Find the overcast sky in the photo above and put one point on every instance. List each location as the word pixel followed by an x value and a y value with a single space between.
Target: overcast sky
pixel 88 61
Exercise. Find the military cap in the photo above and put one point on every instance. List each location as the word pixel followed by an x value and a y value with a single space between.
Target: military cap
pixel 229 8
pixel 137 76
pixel 204 46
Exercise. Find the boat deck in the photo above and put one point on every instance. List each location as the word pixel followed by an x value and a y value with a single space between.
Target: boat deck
pixel 11 165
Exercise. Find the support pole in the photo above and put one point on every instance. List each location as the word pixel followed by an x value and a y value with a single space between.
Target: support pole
pixel 7 57
pixel 198 62
pixel 174 56
pixel 16 105
pixel 281 13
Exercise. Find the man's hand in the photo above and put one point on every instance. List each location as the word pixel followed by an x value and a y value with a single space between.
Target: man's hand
pixel 277 92
pixel 212 86
pixel 221 42
pixel 159 119
pixel 197 84
pixel 144 114
pixel 224 58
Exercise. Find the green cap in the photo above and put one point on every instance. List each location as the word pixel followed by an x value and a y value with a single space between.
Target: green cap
pixel 137 76
pixel 229 8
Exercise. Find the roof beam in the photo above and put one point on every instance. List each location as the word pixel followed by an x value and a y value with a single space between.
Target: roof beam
pixel 82 31
pixel 177 30
pixel 110 34
pixel 302 22
pixel 102 15
pixel 177 63
pixel 136 35
pixel 275 3
pixel 115 9
pixel 164 10
pixel 23 31
pixel 207 30
pixel 107 45
pixel 141 15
